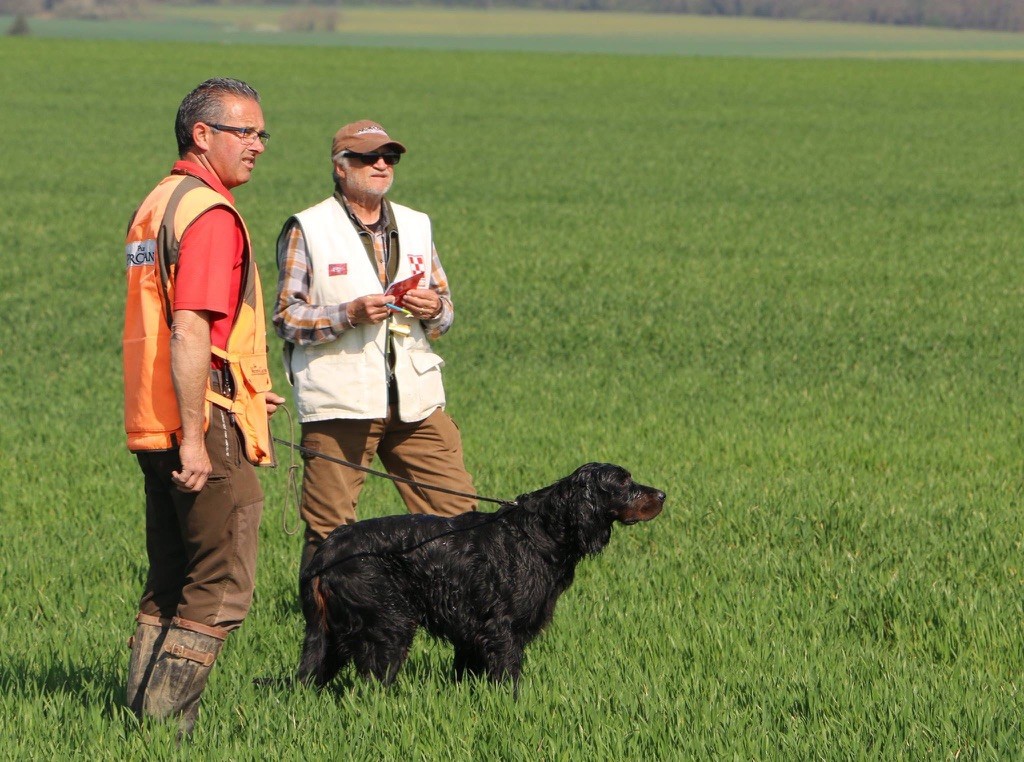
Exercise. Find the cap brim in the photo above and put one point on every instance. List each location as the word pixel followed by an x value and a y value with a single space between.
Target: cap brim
pixel 372 143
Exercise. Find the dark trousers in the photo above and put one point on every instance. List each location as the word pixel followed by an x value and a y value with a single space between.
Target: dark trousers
pixel 202 546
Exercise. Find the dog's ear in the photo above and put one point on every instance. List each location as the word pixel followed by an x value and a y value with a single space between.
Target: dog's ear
pixel 599 492
pixel 577 512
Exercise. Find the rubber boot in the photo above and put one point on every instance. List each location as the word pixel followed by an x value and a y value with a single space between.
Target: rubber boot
pixel 145 645
pixel 181 672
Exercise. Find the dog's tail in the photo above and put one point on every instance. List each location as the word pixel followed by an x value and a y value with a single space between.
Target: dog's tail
pixel 313 665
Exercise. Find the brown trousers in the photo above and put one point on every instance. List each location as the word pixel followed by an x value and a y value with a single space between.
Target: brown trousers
pixel 202 546
pixel 428 451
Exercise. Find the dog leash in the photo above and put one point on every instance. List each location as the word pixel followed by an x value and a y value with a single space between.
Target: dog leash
pixel 392 477
pixel 293 489
pixel 293 468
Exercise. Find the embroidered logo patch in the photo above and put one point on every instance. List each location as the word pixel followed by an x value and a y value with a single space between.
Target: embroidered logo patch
pixel 340 268
pixel 140 253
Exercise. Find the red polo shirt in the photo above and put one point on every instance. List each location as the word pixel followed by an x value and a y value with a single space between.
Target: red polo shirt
pixel 209 273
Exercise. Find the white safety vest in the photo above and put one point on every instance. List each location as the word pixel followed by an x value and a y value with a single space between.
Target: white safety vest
pixel 347 377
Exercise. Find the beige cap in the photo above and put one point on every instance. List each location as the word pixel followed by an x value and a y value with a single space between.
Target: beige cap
pixel 364 136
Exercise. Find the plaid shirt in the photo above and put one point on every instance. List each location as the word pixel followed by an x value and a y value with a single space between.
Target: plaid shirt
pixel 298 320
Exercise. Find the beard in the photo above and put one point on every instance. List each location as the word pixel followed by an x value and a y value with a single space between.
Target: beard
pixel 365 186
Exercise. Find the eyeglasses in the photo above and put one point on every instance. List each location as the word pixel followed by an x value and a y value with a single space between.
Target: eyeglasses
pixel 369 159
pixel 247 134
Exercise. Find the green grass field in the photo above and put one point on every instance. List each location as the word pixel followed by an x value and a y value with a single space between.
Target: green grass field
pixel 497 29
pixel 787 292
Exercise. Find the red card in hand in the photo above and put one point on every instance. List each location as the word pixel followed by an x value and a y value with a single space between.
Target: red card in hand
pixel 397 289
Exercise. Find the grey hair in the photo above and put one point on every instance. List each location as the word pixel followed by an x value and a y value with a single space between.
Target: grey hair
pixel 338 158
pixel 205 104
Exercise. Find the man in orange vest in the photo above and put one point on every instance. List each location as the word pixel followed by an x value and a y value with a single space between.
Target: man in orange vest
pixel 197 399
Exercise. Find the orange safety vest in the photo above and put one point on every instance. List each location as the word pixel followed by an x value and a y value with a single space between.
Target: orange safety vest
pixel 151 416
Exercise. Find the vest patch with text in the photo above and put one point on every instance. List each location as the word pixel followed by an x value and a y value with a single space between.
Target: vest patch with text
pixel 140 253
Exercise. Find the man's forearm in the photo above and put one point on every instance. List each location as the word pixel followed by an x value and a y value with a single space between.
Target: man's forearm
pixel 190 369
pixel 296 319
pixel 301 323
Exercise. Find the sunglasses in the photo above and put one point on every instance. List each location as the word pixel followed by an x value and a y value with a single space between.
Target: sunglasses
pixel 248 135
pixel 369 159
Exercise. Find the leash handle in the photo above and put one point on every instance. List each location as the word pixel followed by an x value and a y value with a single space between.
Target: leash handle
pixel 292 493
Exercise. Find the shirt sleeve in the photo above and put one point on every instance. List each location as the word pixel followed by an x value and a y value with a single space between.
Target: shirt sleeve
pixel 296 318
pixel 209 261
pixel 439 282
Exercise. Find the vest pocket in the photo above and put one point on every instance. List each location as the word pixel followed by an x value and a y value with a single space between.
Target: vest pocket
pixel 424 362
pixel 421 390
pixel 338 386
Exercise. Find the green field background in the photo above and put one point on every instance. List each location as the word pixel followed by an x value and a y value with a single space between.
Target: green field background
pixel 787 292
pixel 519 29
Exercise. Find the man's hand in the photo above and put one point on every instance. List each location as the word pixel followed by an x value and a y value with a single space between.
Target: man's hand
pixel 195 467
pixel 274 401
pixel 368 309
pixel 423 303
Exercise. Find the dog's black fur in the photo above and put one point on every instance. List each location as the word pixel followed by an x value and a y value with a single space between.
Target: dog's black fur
pixel 487 582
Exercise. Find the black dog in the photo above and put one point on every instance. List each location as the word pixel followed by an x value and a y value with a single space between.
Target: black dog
pixel 487 582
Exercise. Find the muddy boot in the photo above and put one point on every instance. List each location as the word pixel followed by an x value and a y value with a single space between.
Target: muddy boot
pixel 145 645
pixel 180 673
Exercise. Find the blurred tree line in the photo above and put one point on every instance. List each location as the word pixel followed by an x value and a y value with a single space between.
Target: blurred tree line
pixel 1004 15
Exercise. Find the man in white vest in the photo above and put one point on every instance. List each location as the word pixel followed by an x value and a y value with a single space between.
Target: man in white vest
pixel 361 292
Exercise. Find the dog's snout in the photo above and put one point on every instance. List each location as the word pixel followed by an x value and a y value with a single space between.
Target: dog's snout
pixel 653 493
pixel 646 503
